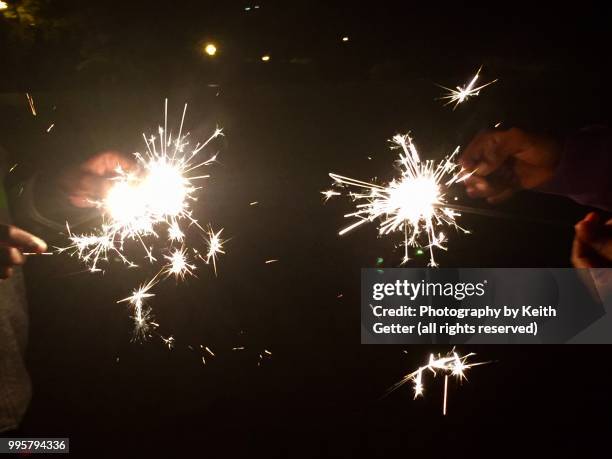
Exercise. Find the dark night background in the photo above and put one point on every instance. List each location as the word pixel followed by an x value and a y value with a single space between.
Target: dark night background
pixel 101 70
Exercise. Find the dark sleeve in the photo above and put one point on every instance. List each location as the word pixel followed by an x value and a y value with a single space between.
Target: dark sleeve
pixel 585 169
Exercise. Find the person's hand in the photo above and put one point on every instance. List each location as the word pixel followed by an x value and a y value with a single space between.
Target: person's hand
pixel 592 246
pixel 14 241
pixel 87 183
pixel 507 161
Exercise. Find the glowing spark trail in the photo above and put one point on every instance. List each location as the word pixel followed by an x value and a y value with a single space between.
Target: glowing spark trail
pixel 461 94
pixel 31 104
pixel 451 365
pixel 149 205
pixel 414 203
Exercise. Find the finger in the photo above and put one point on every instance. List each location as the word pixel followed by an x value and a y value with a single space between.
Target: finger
pixel 11 236
pixel 479 187
pixel 10 256
pixel 5 273
pixel 472 154
pixel 596 235
pixel 490 150
pixel 580 258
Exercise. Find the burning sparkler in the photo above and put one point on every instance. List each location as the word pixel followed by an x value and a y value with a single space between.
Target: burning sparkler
pixel 147 204
pixel 415 203
pixel 461 94
pixel 450 365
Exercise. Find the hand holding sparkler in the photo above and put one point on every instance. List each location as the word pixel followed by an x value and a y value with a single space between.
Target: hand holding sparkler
pixel 88 183
pixel 504 162
pixel 13 242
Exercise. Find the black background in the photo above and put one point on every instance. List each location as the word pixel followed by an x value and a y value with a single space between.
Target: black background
pixel 318 105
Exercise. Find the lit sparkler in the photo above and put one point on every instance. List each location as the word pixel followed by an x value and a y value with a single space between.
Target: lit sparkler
pixel 149 205
pixel 415 203
pixel 461 94
pixel 450 365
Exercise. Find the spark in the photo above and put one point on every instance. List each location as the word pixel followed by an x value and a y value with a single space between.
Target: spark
pixel 209 351
pixel 239 348
pixel 254 203
pixel 270 261
pixel 142 313
pixel 178 264
pixel 175 233
pixel 414 204
pixel 461 94
pixel 265 58
pixel 150 207
pixel 169 342
pixel 330 194
pixel 215 247
pixel 13 167
pixel 31 104
pixel 451 364
pixel 50 127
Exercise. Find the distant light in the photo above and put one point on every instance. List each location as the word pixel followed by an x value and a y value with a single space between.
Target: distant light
pixel 3 5
pixel 210 49
pixel 265 58
pixel 345 38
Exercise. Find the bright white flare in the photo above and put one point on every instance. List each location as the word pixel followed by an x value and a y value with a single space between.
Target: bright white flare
pixel 450 365
pixel 461 94
pixel 414 203
pixel 149 205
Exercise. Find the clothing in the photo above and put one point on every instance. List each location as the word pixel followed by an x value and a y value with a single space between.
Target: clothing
pixel 15 386
pixel 584 173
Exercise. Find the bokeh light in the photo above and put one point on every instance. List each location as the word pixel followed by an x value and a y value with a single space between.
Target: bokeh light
pixel 210 49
